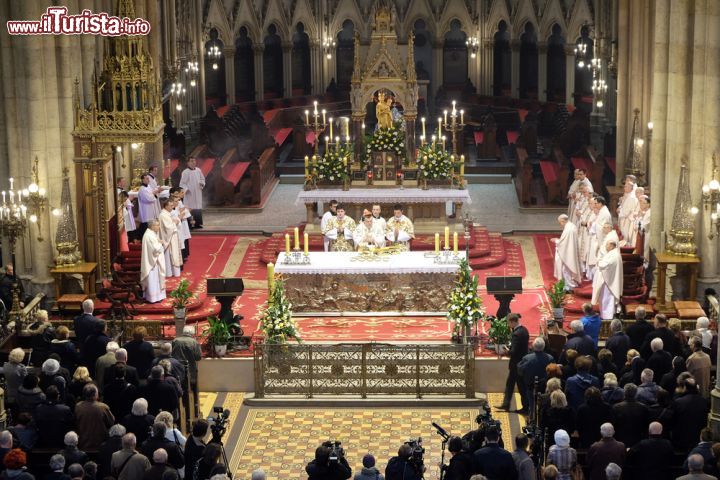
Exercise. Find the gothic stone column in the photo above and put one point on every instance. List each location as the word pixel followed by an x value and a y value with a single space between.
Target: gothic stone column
pixel 569 74
pixel 259 77
pixel 287 68
pixel 515 69
pixel 542 71
pixel 229 53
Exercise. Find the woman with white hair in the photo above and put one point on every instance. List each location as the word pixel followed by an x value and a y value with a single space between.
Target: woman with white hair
pixel 71 453
pixel 172 434
pixel 108 447
pixel 138 421
pixel 14 372
pixel 562 455
pixel 50 375
pixel 611 393
pixel 152 264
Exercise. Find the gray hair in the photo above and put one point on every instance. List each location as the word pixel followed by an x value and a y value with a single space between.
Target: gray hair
pixel 702 322
pixel 6 439
pixel 129 441
pixel 188 331
pixel 562 217
pixel 121 355
pixel 88 306
pixel 655 428
pixel 646 375
pixel 152 222
pixel 640 313
pixel 656 344
pixel 50 366
pixel 16 355
pixel 607 430
pixel 258 474
pixel 117 430
pixel 696 462
pixel 577 326
pixel 112 347
pixel 57 462
pixel 616 325
pixel 76 471
pixel 71 439
pixel 166 348
pixel 613 471
pixel 159 429
pixel 538 344
pixel 140 407
pixel 160 456
pixel 156 372
pixel 630 391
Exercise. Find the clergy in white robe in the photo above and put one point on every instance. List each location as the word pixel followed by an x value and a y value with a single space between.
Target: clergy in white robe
pixel 339 230
pixel 626 211
pixel 641 221
pixel 152 264
pixel 567 256
pixel 573 192
pixel 399 229
pixel 192 181
pixel 170 235
pixel 332 211
pixel 184 215
pixel 377 217
pixel 602 216
pixel 581 205
pixel 609 235
pixel 608 282
pixel 368 233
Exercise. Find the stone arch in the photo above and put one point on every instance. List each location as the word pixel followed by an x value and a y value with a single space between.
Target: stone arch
pixel 253 33
pixel 282 29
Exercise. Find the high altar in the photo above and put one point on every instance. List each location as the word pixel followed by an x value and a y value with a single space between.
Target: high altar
pixel 391 175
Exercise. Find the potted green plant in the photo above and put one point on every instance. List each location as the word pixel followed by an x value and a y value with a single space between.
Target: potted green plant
pixel 558 298
pixel 499 333
pixel 218 334
pixel 181 297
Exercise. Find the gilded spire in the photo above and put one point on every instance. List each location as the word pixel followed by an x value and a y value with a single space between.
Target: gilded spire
pixel 681 239
pixel 356 59
pixel 410 74
pixel 126 8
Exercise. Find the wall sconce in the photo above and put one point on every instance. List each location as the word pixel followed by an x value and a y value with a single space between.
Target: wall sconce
pixel 328 47
pixel 473 45
pixel 214 53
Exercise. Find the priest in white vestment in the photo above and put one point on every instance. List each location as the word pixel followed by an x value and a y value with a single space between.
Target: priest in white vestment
pixel 192 181
pixel 573 195
pixel 626 210
pixel 608 281
pixel 567 256
pixel 184 215
pixel 339 230
pixel 399 229
pixel 609 235
pixel 368 233
pixel 152 264
pixel 377 217
pixel 602 216
pixel 148 205
pixel 170 235
pixel 641 221
pixel 332 211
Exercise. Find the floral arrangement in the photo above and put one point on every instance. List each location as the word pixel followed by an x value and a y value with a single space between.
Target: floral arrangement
pixel 392 140
pixel 435 163
pixel 557 295
pixel 500 332
pixel 331 166
pixel 465 308
pixel 277 322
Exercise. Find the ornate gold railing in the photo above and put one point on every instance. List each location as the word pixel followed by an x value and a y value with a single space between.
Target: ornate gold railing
pixel 364 370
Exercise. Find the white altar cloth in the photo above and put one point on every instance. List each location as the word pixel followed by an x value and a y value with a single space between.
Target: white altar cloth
pixel 385 195
pixel 341 263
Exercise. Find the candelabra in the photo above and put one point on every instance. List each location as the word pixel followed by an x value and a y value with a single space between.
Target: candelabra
pixel 581 55
pixel 296 257
pixel 214 53
pixel 599 86
pixel 36 199
pixel 473 45
pixel 328 47
pixel 192 71
pixel 317 126
pixel 13 217
pixel 453 127
pixel 711 200
pixel 177 90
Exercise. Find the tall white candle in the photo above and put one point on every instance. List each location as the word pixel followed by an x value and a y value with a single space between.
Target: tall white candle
pixel 423 126
pixel 331 122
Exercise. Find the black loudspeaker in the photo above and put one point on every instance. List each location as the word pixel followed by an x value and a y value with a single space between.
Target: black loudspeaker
pixel 504 289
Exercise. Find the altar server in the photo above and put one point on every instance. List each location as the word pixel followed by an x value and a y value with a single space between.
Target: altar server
pixel 377 217
pixel 608 281
pixel 184 215
pixel 574 191
pixel 127 233
pixel 339 231
pixel 567 257
pixel 192 181
pixel 368 233
pixel 152 264
pixel 148 205
pixel 626 210
pixel 332 211
pixel 170 235
pixel 400 229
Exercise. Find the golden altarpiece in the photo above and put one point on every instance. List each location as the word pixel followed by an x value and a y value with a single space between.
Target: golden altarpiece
pixel 126 107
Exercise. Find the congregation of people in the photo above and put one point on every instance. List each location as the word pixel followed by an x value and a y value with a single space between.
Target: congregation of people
pixel 88 408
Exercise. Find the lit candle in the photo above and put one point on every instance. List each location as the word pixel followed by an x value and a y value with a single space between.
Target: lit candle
pixel 323 112
pixel 433 141
pixel 437 243
pixel 271 276
pixel 462 165
pixel 287 244
pixel 447 237
pixel 297 238
pixel 307 163
pixel 462 116
pixel 305 239
pixel 3 195
pixel 445 113
pixel 307 117
pixel 439 126
pixel 455 243
pixel 345 162
pixel 422 120
pixel 348 139
pixel 422 140
pixel 453 104
pixel 347 128
pixel 11 183
pixel 331 122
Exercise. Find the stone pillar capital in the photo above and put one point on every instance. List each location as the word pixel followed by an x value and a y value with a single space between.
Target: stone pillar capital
pixel 229 51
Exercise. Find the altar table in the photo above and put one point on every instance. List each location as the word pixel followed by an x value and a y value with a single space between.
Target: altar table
pixel 420 205
pixel 338 283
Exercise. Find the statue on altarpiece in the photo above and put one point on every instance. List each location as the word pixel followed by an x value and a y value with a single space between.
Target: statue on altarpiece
pixel 383 113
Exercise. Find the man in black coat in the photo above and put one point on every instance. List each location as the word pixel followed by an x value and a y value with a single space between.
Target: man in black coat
pixel 94 347
pixel 176 458
pixel 660 362
pixel 160 394
pixel 689 412
pixel 462 464
pixel 321 468
pixel 120 394
pixel 518 349
pixel 531 366
pixel 84 324
pixel 618 343
pixel 631 417
pixel 7 282
pixel 494 462
pixel 651 458
pixel 195 445
pixel 53 420
pixel 638 330
pixel 131 373
pixel 140 352
pixel 670 341
pixel 578 341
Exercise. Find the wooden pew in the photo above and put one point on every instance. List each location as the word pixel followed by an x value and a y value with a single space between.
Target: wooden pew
pixel 262 174
pixel 523 175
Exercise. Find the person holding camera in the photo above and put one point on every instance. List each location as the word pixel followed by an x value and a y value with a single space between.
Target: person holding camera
pixel 462 464
pixel 329 464
pixel 402 467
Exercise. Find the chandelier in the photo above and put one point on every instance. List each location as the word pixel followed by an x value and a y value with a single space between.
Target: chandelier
pixel 214 53
pixel 473 45
pixel 328 47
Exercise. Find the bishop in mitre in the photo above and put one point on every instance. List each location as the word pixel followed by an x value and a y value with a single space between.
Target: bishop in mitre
pixel 608 281
pixel 152 264
pixel 399 230
pixel 339 231
pixel 368 233
pixel 567 256
pixel 626 211
pixel 170 234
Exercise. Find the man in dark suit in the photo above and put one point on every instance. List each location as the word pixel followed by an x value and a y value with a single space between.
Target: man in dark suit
pixel 84 324
pixel 631 417
pixel 140 352
pixel 670 341
pixel 495 462
pixel 462 463
pixel 618 343
pixel 638 330
pixel 131 373
pixel 603 452
pixel 518 349
pixel 531 366
pixel 690 412
pixel 95 346
pixel 651 458
pixel 660 362
pixel 578 341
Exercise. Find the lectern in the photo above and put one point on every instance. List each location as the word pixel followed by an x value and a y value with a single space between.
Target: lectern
pixel 504 289
pixel 225 291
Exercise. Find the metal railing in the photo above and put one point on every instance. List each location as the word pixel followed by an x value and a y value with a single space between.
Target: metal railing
pixel 364 370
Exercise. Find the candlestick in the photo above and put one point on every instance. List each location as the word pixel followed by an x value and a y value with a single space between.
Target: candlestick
pixel 447 237
pixel 462 166
pixel 423 126
pixel 11 183
pixel 331 122
pixel 12 197
pixel 305 239
pixel 287 244
pixel 297 238
pixel 455 243
pixel 462 116
pixel 347 129
pixel 437 243
pixel 271 276
pixel 443 142
pixel 3 195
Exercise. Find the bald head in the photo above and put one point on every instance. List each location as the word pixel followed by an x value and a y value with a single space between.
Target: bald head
pixel 655 428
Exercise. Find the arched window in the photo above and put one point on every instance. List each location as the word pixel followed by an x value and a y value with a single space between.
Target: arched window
pixel 556 80
pixel 423 64
pixel 344 55
pixel 301 82
pixel 215 88
pixel 244 67
pixel 455 56
pixel 528 81
pixel 273 64
pixel 502 68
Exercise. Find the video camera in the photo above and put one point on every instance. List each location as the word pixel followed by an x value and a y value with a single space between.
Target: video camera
pixel 218 423
pixel 475 439
pixel 336 451
pixel 417 457
pixel 485 421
